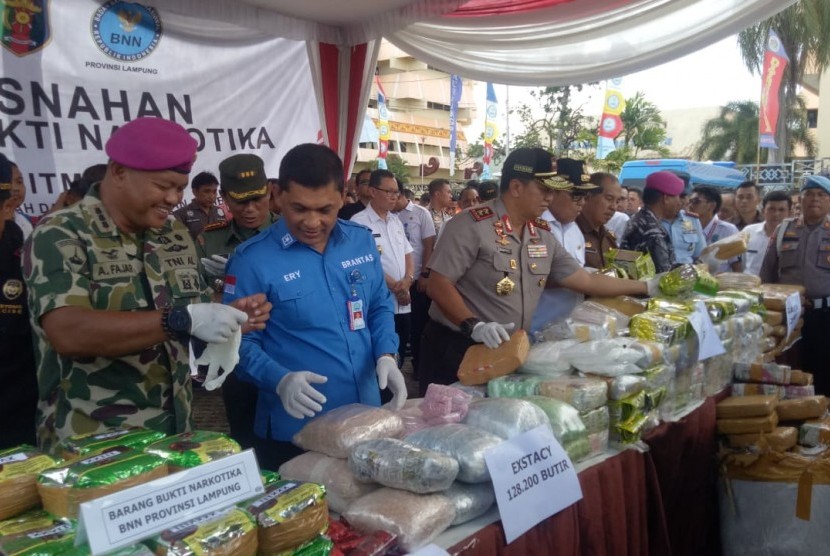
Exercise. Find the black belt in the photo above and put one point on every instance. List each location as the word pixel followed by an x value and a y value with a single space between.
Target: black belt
pixel 820 303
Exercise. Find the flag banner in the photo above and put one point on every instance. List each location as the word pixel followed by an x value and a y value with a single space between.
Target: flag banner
pixel 384 132
pixel 73 71
pixel 775 61
pixel 610 123
pixel 456 85
pixel 490 131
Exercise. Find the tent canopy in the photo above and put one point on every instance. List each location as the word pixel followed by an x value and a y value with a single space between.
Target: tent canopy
pixel 515 42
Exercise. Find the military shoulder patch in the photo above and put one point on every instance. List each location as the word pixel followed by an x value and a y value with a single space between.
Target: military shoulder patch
pixel 481 213
pixel 541 224
pixel 217 226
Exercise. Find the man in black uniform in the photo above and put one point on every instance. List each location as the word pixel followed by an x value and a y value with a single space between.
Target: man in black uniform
pixel 18 401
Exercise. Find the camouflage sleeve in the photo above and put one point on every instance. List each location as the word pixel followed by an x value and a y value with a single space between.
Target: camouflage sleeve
pixel 55 267
pixel 660 250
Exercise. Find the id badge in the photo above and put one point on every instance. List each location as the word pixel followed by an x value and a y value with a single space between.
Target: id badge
pixel 356 320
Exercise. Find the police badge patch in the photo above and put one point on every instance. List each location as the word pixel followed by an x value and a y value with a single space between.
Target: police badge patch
pixel 25 26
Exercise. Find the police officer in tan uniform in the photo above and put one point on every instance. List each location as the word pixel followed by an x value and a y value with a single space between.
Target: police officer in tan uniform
pixel 800 254
pixel 492 263
pixel 597 210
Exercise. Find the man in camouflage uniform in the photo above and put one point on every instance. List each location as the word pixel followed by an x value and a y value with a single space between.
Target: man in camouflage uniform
pixel 246 190
pixel 115 295
pixel 202 210
pixel 645 231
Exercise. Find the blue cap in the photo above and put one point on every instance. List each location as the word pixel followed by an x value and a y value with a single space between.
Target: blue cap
pixel 816 182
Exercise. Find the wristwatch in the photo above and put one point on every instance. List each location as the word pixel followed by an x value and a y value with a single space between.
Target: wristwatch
pixel 176 323
pixel 425 273
pixel 467 326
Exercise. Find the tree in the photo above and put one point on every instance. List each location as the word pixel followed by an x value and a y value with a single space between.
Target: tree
pixel 554 121
pixel 802 29
pixel 643 126
pixel 394 164
pixel 733 134
pixel 475 151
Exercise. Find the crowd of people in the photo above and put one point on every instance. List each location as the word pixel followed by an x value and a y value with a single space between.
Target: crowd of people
pixel 327 286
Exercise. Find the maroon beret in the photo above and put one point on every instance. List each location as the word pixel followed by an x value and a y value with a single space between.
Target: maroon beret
pixel 154 145
pixel 666 183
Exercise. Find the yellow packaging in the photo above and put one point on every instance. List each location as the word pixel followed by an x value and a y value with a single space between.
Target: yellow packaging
pixel 229 532
pixel 800 409
pixel 19 468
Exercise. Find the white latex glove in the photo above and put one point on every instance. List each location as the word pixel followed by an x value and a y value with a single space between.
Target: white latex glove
pixel 653 285
pixel 213 322
pixel 491 334
pixel 298 396
pixel 389 375
pixel 220 356
pixel 215 266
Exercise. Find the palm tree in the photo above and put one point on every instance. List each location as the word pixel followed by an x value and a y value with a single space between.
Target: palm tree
pixel 733 134
pixel 643 125
pixel 802 29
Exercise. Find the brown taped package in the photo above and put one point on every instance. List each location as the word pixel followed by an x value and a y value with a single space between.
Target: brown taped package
pixel 228 532
pixel 780 440
pixel 628 306
pixel 748 425
pixel 289 514
pixel 19 468
pixel 775 295
pixel 746 406
pixel 482 364
pixel 811 407
pixel 778 331
pixel 774 318
pixel 800 378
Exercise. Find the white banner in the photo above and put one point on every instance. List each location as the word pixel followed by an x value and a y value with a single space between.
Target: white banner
pixel 75 70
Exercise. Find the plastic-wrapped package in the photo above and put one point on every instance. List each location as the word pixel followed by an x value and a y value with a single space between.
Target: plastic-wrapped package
pixel 189 449
pixel 398 464
pixel 63 489
pixel 444 404
pixel 745 406
pixel 742 389
pixel 814 433
pixel 596 420
pixel 94 442
pixel 481 363
pixel 335 433
pixel 626 385
pixel 812 407
pixel 342 487
pixel 781 439
pixel 595 313
pixel 663 305
pixel 412 417
pixel 629 408
pixel 514 386
pixel 628 306
pixel 566 424
pixel 658 375
pixel 630 431
pixel 463 443
pixel 737 281
pixel 583 393
pixel 505 417
pixel 569 329
pixel 746 425
pixel 598 442
pixel 679 281
pixel 376 543
pixel 134 550
pixel 470 501
pixel 652 353
pixel 53 539
pixel 475 390
pixel 19 468
pixel 222 533
pixel 767 373
pixel 665 328
pixel 605 357
pixel 800 378
pixel 791 392
pixel 416 519
pixel 289 514
pixel 318 546
pixel 545 358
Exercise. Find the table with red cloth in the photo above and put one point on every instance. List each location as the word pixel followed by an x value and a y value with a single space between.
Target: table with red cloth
pixel 661 502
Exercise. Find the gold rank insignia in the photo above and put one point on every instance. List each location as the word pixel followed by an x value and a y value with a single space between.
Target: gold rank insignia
pixel 687 226
pixel 481 213
pixel 505 286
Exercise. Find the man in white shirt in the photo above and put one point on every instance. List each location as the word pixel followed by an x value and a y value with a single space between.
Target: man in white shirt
pixel 776 207
pixel 420 231
pixel 394 249
pixel 706 202
pixel 564 207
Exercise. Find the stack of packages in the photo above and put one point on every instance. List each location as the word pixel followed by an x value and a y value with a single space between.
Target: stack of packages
pixel 771 379
pixel 775 299
pixel 410 482
pixel 99 464
pixel 775 468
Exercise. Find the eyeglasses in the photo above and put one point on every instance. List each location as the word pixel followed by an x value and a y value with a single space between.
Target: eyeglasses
pixel 390 192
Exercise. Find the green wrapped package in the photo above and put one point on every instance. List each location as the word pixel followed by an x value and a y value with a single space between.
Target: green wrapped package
pixel 190 449
pixel 134 550
pixel 631 264
pixel 63 489
pixel 567 426
pixel 514 386
pixel 30 521
pixel 228 531
pixel 720 308
pixel 679 281
pixel 627 409
pixel 268 477
pixel 91 443
pixel 705 283
pixel 662 305
pixel 666 328
pixel 321 546
pixel 54 539
pixel 631 431
pixel 755 300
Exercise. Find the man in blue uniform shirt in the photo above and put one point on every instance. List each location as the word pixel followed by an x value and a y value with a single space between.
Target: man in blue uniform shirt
pixel 332 339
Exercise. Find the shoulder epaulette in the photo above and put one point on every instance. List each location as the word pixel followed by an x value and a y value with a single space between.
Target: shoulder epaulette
pixel 481 213
pixel 541 223
pixel 216 226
